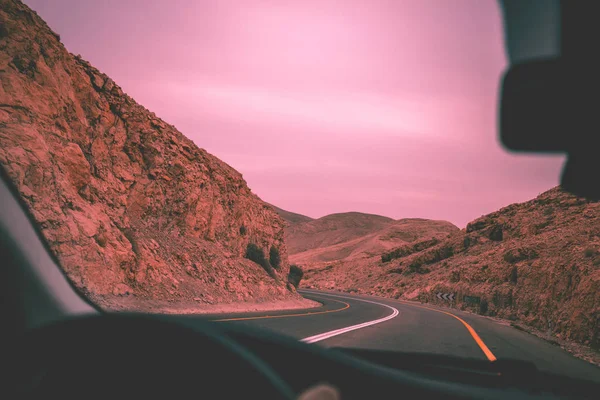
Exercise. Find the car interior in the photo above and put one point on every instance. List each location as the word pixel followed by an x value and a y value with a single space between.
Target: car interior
pixel 48 325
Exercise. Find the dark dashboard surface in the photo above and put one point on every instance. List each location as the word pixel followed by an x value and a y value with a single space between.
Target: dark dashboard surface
pixel 142 355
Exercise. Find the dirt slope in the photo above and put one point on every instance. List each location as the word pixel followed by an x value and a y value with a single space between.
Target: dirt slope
pixel 130 205
pixel 353 235
pixel 290 217
pixel 333 229
pixel 537 263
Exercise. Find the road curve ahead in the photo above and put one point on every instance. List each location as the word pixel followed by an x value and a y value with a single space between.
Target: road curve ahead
pixel 371 322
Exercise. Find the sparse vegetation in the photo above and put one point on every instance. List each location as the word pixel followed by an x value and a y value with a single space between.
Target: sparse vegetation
pixel 408 250
pixel 496 233
pixel 514 275
pixel 295 275
pixel 483 306
pixel 589 252
pixel 455 276
pixel 477 225
pixel 414 266
pixel 274 257
pixel 395 271
pixel 417 267
pixel 519 254
pixel 466 242
pixel 538 227
pixel 3 31
pixel 256 254
pixel 432 256
pixel 243 230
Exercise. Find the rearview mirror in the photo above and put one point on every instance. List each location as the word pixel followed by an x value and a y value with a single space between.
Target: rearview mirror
pixel 551 106
pixel 547 106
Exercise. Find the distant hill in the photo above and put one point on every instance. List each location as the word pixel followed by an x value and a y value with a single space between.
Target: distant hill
pixel 537 263
pixel 290 217
pixel 353 235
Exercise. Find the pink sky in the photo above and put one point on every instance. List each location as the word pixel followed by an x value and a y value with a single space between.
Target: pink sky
pixel 386 107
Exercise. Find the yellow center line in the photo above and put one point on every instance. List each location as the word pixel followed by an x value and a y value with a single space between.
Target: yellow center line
pixel 488 353
pixel 346 306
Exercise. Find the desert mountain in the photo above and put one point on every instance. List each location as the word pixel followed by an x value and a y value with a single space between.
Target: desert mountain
pixel 132 208
pixel 537 263
pixel 353 235
pixel 290 217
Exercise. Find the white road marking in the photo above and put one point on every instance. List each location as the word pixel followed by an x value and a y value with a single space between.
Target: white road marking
pixel 327 335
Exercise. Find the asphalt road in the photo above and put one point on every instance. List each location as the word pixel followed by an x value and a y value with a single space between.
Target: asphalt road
pixel 347 320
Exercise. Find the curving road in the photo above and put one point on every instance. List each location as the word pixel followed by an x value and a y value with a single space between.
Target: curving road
pixel 371 322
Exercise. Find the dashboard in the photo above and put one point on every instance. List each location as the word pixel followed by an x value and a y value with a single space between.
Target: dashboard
pixel 122 355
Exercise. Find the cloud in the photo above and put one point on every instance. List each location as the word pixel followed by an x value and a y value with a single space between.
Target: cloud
pixel 412 116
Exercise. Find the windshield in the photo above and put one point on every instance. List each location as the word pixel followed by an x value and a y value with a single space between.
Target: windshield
pixel 327 170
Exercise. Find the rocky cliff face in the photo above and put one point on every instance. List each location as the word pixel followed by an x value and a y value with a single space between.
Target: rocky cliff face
pixel 130 205
pixel 537 263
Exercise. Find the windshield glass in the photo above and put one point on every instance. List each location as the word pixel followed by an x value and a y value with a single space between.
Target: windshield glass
pixel 338 162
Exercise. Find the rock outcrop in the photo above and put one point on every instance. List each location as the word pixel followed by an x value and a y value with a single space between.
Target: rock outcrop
pixel 130 206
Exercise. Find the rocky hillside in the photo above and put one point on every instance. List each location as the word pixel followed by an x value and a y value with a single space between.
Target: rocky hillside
pixel 353 235
pixel 130 206
pixel 537 263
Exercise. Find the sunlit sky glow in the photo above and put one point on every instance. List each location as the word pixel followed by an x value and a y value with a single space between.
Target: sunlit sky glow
pixel 385 107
